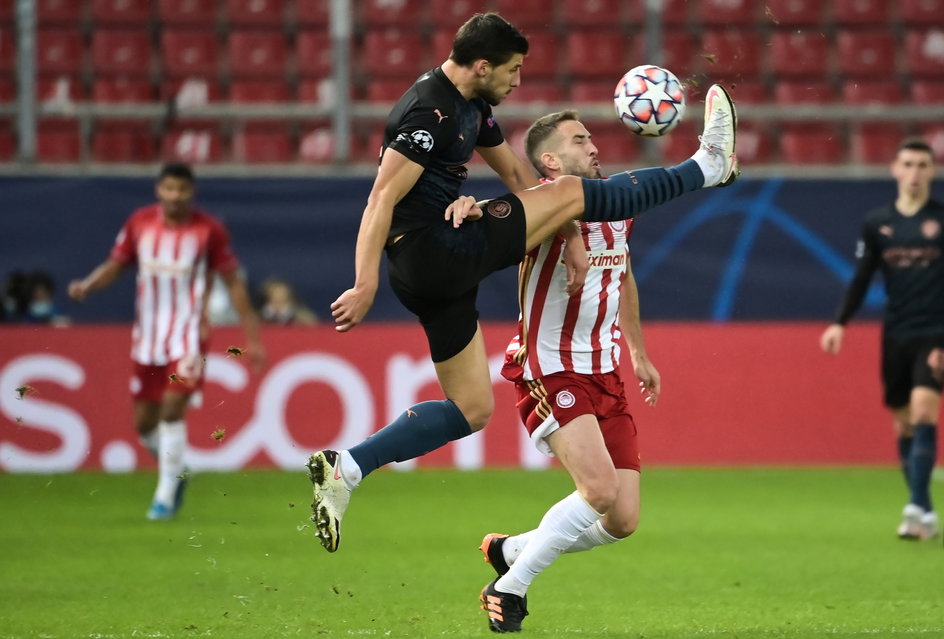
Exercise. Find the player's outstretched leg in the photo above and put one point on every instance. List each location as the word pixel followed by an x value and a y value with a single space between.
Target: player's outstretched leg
pixel 505 610
pixel 331 497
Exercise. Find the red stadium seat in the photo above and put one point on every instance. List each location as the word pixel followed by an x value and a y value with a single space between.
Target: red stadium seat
pixel 190 52
pixel 393 52
pixel 7 144
pixel 64 12
pixel 263 143
pixel 924 52
pixel 680 143
pixel 316 144
pixel 7 48
pixel 866 54
pixel 255 91
pixel 754 145
pixel 811 144
pixel 257 53
pixel 541 61
pixel 537 92
pixel 192 90
pixel 799 54
pixel 59 51
pixel 928 91
pixel 58 141
pixel 317 90
pixel 199 144
pixel 791 13
pixel 731 53
pixel 256 13
pixel 875 142
pixel 6 11
pixel 872 92
pixel 384 13
pixel 678 51
pixel 674 12
pixel 312 12
pixel 615 144
pixel 726 13
pixel 922 12
pixel 122 89
pixel 526 14
pixel 451 14
pixel 130 12
pixel 59 89
pixel 313 53
pixel 7 93
pixel 195 13
pixel 593 90
pixel 442 44
pixel 933 134
pixel 595 53
pixel 804 92
pixel 381 90
pixel 862 12
pixel 121 51
pixel 749 92
pixel 125 142
pixel 592 13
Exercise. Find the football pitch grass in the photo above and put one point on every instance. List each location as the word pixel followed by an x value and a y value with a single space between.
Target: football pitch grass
pixel 720 553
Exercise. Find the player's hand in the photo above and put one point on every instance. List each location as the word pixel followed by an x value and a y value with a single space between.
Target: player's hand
pixel 465 208
pixel 650 381
pixel 351 308
pixel 577 264
pixel 936 362
pixel 77 290
pixel 831 339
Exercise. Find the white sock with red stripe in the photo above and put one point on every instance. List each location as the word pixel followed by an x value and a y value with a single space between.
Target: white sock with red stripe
pixel 561 526
pixel 170 461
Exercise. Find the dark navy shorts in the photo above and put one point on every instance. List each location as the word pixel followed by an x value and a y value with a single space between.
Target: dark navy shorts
pixel 905 366
pixel 435 271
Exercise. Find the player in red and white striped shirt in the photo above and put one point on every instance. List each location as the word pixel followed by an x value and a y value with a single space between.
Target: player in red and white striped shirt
pixel 176 249
pixel 565 364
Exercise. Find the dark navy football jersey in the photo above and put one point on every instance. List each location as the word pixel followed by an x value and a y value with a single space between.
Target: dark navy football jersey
pixel 909 251
pixel 433 125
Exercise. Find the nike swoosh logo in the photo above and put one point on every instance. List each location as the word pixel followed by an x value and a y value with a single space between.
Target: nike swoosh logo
pixel 337 470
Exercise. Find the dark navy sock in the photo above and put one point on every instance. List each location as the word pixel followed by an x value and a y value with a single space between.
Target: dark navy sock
pixel 921 464
pixel 418 430
pixel 904 454
pixel 625 195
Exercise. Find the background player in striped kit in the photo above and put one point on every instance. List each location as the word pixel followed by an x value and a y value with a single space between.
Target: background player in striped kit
pixel 176 249
pixel 565 364
pixel 905 239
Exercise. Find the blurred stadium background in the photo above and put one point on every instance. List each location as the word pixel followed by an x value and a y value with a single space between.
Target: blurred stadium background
pixel 279 104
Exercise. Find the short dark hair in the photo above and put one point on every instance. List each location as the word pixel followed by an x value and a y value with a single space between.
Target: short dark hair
pixel 915 144
pixel 542 129
pixel 176 170
pixel 487 36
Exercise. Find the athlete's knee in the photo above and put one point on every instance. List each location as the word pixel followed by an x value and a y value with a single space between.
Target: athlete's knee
pixel 478 411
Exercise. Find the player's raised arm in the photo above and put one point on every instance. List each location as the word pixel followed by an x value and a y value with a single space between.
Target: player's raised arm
pixel 512 170
pixel 396 176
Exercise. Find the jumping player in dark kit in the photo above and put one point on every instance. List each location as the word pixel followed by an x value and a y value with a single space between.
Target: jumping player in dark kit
pixel 905 240
pixel 439 252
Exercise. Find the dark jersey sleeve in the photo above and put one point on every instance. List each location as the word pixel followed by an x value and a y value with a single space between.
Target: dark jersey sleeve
pixel 489 133
pixel 867 260
pixel 421 133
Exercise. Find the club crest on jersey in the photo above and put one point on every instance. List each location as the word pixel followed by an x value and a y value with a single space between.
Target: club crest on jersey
pixel 930 229
pixel 422 139
pixel 498 209
pixel 565 399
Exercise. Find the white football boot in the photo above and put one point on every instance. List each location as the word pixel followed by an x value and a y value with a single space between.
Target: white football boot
pixel 910 527
pixel 331 497
pixel 717 148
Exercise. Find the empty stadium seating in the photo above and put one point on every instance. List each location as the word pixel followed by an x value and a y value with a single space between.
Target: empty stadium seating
pixel 121 12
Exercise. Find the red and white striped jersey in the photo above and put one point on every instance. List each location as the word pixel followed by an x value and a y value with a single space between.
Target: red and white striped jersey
pixel 578 333
pixel 174 263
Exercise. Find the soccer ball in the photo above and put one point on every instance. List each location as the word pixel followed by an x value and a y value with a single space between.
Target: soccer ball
pixel 649 100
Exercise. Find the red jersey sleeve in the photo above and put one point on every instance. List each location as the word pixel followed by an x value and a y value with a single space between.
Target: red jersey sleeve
pixel 125 250
pixel 220 256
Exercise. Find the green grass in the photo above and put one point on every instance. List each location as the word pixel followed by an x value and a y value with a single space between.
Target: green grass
pixel 797 553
